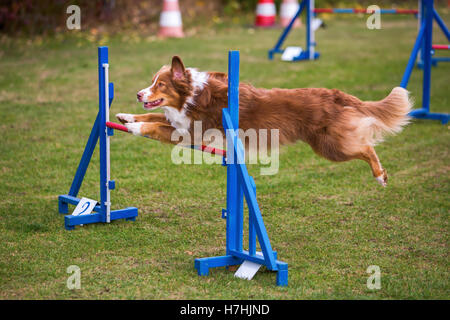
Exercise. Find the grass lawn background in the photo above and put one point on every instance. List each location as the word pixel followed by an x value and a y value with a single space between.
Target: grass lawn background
pixel 328 221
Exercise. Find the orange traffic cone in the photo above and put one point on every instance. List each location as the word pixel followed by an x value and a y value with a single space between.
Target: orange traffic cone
pixel 170 20
pixel 288 10
pixel 265 13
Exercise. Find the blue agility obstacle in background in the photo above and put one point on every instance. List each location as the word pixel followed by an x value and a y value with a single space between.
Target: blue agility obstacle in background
pixel 442 26
pixel 309 53
pixel 240 185
pixel 423 43
pixel 309 6
pixel 102 211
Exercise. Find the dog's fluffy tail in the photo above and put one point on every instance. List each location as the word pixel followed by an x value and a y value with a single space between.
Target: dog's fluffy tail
pixel 385 117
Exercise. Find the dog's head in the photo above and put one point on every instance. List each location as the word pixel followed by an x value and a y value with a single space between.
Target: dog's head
pixel 170 87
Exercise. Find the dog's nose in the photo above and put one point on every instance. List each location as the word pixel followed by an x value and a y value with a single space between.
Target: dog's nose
pixel 140 95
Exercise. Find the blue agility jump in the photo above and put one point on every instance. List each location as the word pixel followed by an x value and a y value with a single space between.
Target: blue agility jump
pixel 435 16
pixel 309 52
pixel 240 184
pixel 102 212
pixel 423 45
pixel 308 5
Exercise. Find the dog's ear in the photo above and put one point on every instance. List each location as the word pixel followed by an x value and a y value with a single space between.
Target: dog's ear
pixel 177 68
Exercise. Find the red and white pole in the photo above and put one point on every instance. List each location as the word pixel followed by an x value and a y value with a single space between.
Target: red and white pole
pixel 202 148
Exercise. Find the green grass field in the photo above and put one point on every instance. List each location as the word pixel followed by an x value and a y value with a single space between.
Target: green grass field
pixel 328 221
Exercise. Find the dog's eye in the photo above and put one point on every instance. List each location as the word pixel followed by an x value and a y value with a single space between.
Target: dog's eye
pixel 160 84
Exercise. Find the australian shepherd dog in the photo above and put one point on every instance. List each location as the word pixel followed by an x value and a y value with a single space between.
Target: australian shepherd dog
pixel 337 125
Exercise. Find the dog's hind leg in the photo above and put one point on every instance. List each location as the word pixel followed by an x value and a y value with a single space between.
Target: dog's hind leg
pixel 369 155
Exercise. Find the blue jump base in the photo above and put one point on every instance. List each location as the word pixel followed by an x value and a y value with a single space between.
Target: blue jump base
pixel 236 258
pixel 425 114
pixel 70 221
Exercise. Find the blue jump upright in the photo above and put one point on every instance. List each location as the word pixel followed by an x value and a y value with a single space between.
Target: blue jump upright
pixel 102 212
pixel 239 186
pixel 424 45
pixel 442 26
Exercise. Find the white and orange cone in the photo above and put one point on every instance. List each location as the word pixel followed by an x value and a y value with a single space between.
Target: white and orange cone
pixel 288 10
pixel 170 25
pixel 265 13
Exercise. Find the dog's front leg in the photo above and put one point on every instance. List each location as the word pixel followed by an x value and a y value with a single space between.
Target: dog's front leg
pixel 148 117
pixel 154 130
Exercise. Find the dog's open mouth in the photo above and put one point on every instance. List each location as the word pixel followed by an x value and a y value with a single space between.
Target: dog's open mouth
pixel 153 104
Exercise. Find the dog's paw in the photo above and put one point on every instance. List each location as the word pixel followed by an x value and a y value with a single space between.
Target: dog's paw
pixel 134 128
pixel 383 178
pixel 125 117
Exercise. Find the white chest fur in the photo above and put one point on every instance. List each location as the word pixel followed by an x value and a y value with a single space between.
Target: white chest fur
pixel 178 119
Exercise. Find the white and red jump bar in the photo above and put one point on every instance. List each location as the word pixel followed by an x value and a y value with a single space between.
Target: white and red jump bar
pixel 203 148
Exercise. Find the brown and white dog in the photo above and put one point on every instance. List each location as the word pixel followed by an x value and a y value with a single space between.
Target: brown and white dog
pixel 337 126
